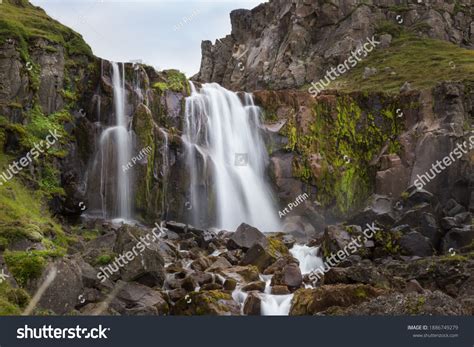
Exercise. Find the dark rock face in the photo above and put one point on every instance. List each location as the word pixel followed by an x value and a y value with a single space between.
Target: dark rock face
pixel 415 244
pixel 281 44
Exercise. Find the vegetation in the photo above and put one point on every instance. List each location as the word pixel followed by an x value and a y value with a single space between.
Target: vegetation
pixel 28 265
pixel 347 134
pixel 422 62
pixel 174 80
pixel 12 300
pixel 24 22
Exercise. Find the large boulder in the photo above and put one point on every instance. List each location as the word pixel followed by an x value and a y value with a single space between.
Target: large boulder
pixel 458 238
pixel 64 291
pixel 415 244
pixel 312 301
pixel 245 237
pixel 143 264
pixel 207 303
pixel 141 300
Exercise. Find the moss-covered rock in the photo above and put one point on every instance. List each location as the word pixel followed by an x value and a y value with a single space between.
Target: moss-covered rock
pixel 312 301
pixel 207 303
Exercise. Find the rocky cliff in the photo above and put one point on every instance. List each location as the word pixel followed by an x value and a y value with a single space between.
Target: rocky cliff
pixel 287 44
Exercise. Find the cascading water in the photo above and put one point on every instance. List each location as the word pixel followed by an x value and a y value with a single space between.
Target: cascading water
pixel 108 180
pixel 226 158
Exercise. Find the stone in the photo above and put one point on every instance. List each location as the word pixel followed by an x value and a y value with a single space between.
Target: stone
pixel 245 237
pixel 415 244
pixel 258 256
pixel 258 286
pixel 252 305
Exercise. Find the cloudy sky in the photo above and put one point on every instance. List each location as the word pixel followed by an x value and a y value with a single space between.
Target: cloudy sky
pixel 162 33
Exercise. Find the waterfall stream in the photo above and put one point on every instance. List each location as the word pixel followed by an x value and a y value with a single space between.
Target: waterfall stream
pixel 227 158
pixel 109 184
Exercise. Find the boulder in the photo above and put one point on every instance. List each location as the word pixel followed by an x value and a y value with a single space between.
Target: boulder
pixel 245 237
pixel 258 286
pixel 416 244
pixel 252 304
pixel 258 256
pixel 64 291
pixel 457 238
pixel 142 300
pixel 207 303
pixel 312 301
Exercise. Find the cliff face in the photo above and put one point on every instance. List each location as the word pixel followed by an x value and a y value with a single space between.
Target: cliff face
pixel 51 80
pixel 287 44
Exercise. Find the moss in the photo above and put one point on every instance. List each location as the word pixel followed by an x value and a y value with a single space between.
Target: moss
pixel 415 305
pixel 347 133
pixel 421 61
pixel 276 247
pixel 12 300
pixel 26 22
pixel 174 80
pixel 26 266
pixel 104 259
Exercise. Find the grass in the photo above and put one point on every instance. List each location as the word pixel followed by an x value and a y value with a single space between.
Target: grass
pixel 24 22
pixel 12 300
pixel 175 81
pixel 420 61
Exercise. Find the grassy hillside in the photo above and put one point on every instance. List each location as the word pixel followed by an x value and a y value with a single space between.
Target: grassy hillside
pixel 422 62
pixel 24 22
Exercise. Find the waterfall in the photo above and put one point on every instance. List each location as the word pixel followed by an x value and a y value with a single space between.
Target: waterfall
pixel 226 158
pixel 109 184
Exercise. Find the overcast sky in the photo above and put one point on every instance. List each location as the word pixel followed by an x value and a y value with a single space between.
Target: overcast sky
pixel 163 33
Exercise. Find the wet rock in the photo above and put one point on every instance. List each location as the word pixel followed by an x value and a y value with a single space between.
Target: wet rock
pixel 230 284
pixel 280 290
pixel 252 305
pixel 258 256
pixel 290 276
pixel 245 237
pixel 242 274
pixel 258 286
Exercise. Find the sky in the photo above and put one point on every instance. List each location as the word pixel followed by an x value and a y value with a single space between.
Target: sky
pixel 166 34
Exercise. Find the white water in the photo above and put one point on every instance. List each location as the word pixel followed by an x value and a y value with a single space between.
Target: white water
pixel 227 158
pixel 109 183
pixel 280 305
pixel 274 305
pixel 308 258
